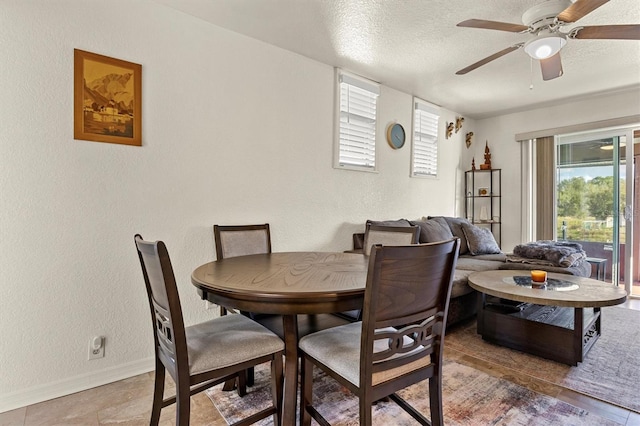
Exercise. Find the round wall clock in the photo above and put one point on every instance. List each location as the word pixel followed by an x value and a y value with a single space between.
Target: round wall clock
pixel 396 135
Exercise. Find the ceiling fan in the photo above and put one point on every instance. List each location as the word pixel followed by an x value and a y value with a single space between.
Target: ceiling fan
pixel 545 22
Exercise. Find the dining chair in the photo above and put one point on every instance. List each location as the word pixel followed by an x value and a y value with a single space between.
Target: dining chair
pixel 241 240
pixel 387 236
pixel 399 341
pixel 202 355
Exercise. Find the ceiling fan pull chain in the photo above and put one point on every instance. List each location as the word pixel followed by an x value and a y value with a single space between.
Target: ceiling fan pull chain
pixel 531 68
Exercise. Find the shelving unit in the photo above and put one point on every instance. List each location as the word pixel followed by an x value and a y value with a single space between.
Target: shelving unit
pixel 483 199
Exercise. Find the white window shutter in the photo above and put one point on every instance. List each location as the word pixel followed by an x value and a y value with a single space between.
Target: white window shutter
pixel 424 159
pixel 357 131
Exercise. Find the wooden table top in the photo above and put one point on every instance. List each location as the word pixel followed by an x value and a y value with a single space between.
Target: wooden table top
pixel 562 290
pixel 302 279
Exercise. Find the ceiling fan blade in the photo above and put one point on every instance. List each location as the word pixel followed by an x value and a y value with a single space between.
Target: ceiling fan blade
pixel 489 59
pixel 618 32
pixel 551 67
pixel 493 25
pixel 579 9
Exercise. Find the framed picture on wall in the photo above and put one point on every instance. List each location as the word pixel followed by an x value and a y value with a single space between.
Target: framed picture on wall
pixel 107 99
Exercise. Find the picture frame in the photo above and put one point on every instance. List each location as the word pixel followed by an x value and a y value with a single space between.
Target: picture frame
pixel 483 192
pixel 107 99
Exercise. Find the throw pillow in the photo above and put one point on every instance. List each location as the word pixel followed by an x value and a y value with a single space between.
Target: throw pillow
pixel 455 225
pixel 432 231
pixel 480 240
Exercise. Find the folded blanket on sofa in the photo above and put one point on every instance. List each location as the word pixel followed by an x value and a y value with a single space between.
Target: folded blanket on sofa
pixel 517 259
pixel 556 253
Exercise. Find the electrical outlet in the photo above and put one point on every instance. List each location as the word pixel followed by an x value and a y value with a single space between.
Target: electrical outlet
pixel 96 347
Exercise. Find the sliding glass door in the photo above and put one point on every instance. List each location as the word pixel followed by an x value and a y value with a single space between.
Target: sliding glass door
pixel 594 199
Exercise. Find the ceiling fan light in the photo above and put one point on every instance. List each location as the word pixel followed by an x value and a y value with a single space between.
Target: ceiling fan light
pixel 545 46
pixel 543 51
pixel 609 147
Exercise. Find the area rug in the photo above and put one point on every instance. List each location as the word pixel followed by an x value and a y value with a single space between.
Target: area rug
pixel 610 371
pixel 470 398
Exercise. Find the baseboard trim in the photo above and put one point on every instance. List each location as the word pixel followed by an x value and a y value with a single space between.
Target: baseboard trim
pixel 36 394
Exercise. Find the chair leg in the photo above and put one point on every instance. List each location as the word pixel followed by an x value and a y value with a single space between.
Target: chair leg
pixel 250 376
pixel 277 379
pixel 409 409
pixel 229 385
pixel 158 392
pixel 306 391
pixel 183 404
pixel 366 408
pixel 435 400
pixel 242 383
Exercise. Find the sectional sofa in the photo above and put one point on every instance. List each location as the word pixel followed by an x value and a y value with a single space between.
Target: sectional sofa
pixel 478 252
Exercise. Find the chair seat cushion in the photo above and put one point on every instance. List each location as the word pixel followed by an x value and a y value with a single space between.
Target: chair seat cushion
pixel 228 340
pixel 339 349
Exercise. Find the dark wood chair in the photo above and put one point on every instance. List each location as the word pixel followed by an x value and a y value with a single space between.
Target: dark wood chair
pixel 387 236
pixel 205 354
pixel 399 341
pixel 241 240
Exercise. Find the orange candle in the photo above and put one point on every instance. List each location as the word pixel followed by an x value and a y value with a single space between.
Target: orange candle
pixel 538 276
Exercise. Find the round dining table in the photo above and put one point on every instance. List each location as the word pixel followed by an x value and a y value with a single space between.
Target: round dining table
pixel 287 284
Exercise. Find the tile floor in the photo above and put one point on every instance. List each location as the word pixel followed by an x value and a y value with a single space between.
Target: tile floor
pixel 128 402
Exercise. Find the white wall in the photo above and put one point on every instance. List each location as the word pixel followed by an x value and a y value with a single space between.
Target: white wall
pixel 234 131
pixel 500 133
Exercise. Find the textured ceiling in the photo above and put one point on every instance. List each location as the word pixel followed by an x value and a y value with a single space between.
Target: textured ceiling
pixel 414 46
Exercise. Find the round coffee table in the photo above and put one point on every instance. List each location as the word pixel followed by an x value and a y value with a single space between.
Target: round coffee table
pixel 560 321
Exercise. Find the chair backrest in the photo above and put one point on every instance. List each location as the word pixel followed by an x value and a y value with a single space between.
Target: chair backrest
pixel 405 307
pixel 232 241
pixel 390 236
pixel 164 302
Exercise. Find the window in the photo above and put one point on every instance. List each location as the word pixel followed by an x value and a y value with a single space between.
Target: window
pixel 356 138
pixel 424 156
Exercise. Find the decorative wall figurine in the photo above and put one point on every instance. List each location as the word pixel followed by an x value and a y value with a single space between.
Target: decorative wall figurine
pixel 487 158
pixel 449 130
pixel 468 139
pixel 459 121
pixel 473 163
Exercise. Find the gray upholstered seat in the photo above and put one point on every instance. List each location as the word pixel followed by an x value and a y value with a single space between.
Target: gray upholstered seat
pixel 226 341
pixel 345 340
